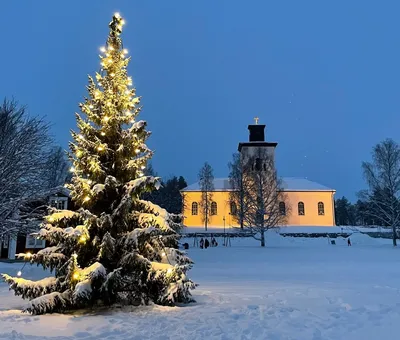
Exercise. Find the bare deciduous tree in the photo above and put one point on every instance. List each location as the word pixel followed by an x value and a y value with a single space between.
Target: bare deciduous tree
pixel 24 143
pixel 239 187
pixel 383 179
pixel 258 194
pixel 56 172
pixel 206 181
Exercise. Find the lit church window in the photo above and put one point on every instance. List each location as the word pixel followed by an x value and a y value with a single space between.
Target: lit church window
pixel 321 208
pixel 282 208
pixel 214 210
pixel 195 208
pixel 233 208
pixel 300 207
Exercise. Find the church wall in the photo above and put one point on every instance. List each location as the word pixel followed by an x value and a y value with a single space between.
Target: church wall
pixel 310 218
pixel 223 209
pixel 310 200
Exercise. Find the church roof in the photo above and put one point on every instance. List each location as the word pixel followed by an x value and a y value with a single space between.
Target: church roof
pixel 288 184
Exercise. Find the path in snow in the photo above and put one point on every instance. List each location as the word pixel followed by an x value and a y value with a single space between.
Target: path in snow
pixel 293 289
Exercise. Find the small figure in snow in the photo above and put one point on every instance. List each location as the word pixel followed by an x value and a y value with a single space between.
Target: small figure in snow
pixel 201 243
pixel 213 242
pixel 206 244
pixel 348 242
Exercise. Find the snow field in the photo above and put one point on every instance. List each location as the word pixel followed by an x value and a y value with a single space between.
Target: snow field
pixel 295 288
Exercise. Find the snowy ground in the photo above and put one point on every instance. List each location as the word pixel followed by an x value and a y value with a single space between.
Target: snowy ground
pixel 293 289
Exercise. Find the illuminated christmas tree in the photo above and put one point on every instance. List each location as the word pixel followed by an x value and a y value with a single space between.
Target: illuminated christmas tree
pixel 117 248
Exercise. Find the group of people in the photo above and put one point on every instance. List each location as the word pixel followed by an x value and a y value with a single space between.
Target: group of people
pixel 205 243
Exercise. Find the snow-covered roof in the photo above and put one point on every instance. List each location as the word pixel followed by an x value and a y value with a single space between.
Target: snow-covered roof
pixel 288 184
pixel 302 184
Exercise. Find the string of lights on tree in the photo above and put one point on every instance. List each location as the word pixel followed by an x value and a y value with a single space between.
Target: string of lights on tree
pixel 115 247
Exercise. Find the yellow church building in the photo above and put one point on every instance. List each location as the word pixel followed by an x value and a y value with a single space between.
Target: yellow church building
pixel 310 203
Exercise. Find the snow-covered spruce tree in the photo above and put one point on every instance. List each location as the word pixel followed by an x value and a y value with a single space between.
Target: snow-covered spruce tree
pixel 118 248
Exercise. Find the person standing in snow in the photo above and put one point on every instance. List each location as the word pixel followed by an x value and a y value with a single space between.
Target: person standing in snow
pixel 201 243
pixel 348 242
pixel 206 244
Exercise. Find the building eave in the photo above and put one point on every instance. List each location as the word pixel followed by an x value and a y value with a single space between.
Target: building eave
pixel 257 144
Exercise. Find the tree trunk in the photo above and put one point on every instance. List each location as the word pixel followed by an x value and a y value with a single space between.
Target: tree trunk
pixel 206 217
pixel 394 236
pixel 262 238
pixel 241 208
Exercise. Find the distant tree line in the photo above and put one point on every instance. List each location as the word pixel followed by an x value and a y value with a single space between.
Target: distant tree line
pixel 168 196
pixel 349 214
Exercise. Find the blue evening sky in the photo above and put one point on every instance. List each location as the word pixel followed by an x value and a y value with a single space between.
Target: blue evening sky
pixel 322 75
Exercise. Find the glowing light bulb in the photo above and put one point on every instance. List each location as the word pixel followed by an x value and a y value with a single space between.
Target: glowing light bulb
pixel 79 153
pixel 111 48
pixel 71 169
pixel 169 271
pixel 127 92
pixel 135 135
pixel 28 255
pixel 103 133
pixel 75 276
pixel 142 167
pixel 117 15
pixel 82 239
pixel 51 219
pixel 87 198
pixel 19 273
pixel 125 51
pixel 89 181
pixel 137 150
pixel 102 49
pixel 74 255
pixel 112 74
pixel 106 118
pixel 90 106
pixel 163 254
pixel 100 148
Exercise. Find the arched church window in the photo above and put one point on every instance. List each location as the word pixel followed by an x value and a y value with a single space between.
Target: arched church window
pixel 321 208
pixel 258 164
pixel 195 208
pixel 282 208
pixel 214 208
pixel 301 209
pixel 233 208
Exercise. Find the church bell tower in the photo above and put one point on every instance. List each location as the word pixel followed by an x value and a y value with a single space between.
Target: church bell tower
pixel 257 145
